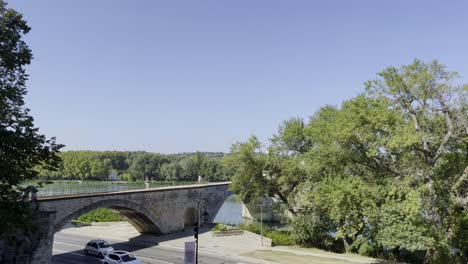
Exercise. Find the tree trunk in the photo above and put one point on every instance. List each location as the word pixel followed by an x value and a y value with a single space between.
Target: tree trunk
pixel 433 256
pixel 346 244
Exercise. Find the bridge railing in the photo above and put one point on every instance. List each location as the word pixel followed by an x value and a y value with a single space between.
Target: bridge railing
pixel 99 187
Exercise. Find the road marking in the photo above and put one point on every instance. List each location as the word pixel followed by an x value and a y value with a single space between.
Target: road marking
pixel 71 253
pixel 152 259
pixel 73 245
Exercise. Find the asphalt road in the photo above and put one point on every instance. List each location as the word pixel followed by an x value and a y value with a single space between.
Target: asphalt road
pixel 68 249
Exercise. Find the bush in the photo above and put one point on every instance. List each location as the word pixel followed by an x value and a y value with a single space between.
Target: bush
pixel 254 228
pixel 279 238
pixel 101 215
pixel 219 227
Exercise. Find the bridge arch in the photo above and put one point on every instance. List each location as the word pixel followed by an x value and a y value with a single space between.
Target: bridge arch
pixel 190 217
pixel 141 218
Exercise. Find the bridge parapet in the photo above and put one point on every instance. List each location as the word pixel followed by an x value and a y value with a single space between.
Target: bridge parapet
pixel 154 210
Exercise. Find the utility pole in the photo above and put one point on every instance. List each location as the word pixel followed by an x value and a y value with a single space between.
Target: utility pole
pixel 195 229
pixel 261 220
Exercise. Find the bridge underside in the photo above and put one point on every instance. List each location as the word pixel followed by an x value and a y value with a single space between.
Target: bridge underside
pixel 138 220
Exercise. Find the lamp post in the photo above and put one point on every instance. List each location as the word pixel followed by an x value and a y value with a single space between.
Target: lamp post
pixel 261 221
pixel 205 218
pixel 198 225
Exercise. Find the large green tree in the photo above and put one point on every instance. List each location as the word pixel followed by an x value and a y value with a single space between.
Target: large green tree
pixel 22 147
pixel 429 100
pixel 385 172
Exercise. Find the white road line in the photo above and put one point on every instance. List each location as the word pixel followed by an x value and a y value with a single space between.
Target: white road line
pixel 79 246
pixel 71 253
pixel 73 245
pixel 162 261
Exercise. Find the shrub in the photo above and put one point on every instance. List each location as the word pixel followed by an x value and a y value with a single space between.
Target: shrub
pixel 219 227
pixel 280 238
pixel 101 215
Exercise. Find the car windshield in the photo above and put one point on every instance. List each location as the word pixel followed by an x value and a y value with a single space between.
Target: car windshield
pixel 127 258
pixel 103 244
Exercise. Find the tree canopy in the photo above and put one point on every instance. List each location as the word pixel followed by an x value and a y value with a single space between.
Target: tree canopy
pixel 136 166
pixel 385 172
pixel 22 147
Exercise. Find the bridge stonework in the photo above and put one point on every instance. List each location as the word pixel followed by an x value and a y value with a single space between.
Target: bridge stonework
pixel 157 210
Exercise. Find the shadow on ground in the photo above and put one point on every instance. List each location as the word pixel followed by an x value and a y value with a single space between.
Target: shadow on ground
pixel 134 244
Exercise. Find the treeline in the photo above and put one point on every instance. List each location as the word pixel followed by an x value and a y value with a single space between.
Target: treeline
pixel 134 166
pixel 385 174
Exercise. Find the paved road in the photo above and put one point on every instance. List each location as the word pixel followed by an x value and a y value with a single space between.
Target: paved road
pixel 68 249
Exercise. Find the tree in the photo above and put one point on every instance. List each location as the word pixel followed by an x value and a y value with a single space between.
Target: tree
pixel 22 147
pixel 437 109
pixel 271 174
pixel 384 172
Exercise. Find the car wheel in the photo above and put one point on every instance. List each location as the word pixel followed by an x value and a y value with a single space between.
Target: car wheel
pixel 106 263
pixel 100 255
pixel 86 252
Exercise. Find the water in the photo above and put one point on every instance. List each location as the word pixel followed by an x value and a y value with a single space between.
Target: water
pixel 230 212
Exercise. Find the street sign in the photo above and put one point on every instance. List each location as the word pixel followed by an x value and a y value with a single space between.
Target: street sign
pixel 189 253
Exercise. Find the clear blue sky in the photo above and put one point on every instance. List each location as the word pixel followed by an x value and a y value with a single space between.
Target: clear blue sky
pixel 174 76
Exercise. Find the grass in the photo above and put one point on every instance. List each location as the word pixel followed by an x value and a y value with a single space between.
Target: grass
pixel 100 215
pixel 288 257
pixel 278 237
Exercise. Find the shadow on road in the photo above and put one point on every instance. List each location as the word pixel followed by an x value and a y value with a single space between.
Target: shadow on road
pixel 134 244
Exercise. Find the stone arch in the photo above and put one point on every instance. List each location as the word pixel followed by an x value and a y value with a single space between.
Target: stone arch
pixel 141 218
pixel 190 217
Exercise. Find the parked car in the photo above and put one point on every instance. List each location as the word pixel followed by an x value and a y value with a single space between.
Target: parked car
pixel 119 257
pixel 98 247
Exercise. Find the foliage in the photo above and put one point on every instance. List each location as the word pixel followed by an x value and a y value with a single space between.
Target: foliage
pixel 100 215
pixel 136 166
pixel 22 147
pixel 219 227
pixel 272 174
pixel 387 171
pixel 278 237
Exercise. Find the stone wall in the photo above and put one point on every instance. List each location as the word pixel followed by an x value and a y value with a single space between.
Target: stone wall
pixel 158 210
pixel 31 248
pixel 42 252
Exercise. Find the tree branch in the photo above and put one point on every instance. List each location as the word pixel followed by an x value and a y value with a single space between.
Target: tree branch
pixel 448 134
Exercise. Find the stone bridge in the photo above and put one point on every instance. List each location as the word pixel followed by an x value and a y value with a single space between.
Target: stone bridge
pixel 156 210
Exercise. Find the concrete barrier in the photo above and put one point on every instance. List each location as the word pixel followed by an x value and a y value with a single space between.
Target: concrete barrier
pixel 228 233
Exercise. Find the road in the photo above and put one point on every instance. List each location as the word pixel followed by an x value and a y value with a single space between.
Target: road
pixel 68 249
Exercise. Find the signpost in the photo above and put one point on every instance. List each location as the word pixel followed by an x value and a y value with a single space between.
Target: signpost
pixel 189 253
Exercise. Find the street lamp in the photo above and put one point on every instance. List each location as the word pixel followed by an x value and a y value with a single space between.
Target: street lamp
pixel 261 219
pixel 197 224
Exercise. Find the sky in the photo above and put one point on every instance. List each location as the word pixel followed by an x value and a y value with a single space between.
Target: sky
pixel 181 76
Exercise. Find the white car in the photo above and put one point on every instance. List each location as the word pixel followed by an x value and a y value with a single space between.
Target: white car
pixel 119 257
pixel 98 247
